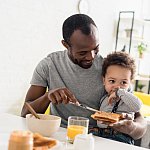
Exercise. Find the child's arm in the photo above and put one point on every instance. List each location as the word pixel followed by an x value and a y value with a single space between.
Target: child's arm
pixel 129 99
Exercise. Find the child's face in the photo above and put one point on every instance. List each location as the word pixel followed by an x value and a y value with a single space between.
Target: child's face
pixel 116 77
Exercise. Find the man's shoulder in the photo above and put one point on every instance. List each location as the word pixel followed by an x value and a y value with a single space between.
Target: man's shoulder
pixel 54 57
pixel 98 61
pixel 99 57
pixel 56 54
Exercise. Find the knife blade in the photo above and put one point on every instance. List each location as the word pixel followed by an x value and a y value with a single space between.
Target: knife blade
pixel 87 107
pixel 84 107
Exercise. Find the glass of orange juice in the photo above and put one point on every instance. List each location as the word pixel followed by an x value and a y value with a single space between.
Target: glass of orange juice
pixel 76 125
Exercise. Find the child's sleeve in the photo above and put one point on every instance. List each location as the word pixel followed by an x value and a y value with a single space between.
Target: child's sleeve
pixel 129 99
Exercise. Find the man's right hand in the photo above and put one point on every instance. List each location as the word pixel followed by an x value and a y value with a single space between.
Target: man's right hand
pixel 61 95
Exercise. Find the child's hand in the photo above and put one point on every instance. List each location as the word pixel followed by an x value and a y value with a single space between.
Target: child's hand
pixel 112 97
pixel 125 119
pixel 128 116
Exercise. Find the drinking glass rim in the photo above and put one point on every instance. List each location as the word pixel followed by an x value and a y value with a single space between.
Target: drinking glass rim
pixel 78 118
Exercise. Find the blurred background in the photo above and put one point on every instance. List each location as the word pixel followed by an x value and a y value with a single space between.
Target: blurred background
pixel 31 29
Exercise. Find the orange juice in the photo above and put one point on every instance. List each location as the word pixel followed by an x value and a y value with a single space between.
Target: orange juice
pixel 73 130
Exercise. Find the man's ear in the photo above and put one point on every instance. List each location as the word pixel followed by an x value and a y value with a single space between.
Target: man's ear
pixel 65 44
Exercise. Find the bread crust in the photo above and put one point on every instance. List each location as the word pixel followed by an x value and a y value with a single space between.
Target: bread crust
pixel 42 143
pixel 107 116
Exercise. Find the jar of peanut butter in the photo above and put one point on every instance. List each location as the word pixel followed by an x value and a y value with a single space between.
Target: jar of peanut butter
pixel 21 140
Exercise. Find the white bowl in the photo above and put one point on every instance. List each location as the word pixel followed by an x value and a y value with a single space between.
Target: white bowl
pixel 46 126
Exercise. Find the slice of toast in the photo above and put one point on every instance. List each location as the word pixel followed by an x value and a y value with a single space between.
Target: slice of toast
pixel 42 143
pixel 107 116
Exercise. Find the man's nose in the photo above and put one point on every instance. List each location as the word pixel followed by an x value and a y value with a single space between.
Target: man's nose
pixel 90 55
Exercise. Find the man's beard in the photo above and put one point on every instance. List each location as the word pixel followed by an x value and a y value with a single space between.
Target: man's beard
pixel 84 64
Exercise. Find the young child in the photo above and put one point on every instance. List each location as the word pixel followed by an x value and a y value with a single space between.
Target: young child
pixel 118 71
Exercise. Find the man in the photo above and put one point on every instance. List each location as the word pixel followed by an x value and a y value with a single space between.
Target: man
pixel 73 76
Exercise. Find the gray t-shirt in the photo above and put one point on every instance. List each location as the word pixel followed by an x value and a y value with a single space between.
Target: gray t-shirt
pixel 57 70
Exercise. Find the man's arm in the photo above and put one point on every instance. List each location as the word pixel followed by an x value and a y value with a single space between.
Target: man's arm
pixel 140 127
pixel 135 128
pixel 37 97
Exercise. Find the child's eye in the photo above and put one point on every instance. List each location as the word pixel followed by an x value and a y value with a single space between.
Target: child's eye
pixel 123 82
pixel 111 81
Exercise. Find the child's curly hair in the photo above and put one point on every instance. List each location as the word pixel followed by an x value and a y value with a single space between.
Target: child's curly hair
pixel 119 58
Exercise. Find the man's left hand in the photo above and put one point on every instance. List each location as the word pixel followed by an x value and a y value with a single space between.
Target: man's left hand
pixel 125 126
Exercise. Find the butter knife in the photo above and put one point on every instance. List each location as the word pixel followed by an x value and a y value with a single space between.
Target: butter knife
pixel 84 106
pixel 87 107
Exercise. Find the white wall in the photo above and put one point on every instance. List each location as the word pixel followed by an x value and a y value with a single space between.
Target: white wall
pixel 106 14
pixel 30 29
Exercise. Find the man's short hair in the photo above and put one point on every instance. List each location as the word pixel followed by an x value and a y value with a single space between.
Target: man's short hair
pixel 75 22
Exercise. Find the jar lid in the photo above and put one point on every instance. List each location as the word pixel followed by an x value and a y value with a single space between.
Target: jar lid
pixel 21 136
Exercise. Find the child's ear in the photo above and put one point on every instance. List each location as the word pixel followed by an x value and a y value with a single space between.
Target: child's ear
pixel 103 78
pixel 65 44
